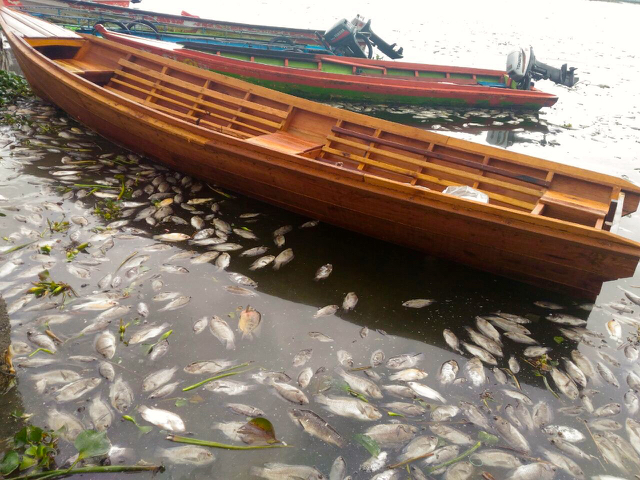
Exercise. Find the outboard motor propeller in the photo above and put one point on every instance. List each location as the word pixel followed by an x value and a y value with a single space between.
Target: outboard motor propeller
pixel 365 28
pixel 523 68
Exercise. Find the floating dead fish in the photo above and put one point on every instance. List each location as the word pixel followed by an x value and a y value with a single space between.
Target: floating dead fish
pixel 229 387
pixel 425 391
pixel 249 323
pixel 175 304
pixel 474 371
pixel 187 455
pixel 158 378
pixel 360 385
pixel 418 303
pixel 326 311
pixel 533 352
pixel 68 426
pixel 350 301
pixel 211 366
pixel 120 395
pixel 162 418
pixel 452 340
pixel 245 410
pixel 200 325
pixel 77 389
pixel 349 407
pixel 147 333
pixel 607 374
pixel 221 330
pixel 107 371
pixel 289 393
pixel 276 471
pixel 172 237
pixel 315 426
pixel 101 415
pixel 345 358
pixel 254 252
pixel 568 434
pixel 408 375
pixel 283 258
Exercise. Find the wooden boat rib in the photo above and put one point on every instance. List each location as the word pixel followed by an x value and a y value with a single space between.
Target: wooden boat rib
pixel 327 78
pixel 545 223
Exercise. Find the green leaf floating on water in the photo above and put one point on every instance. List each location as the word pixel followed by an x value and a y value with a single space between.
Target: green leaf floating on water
pixel 487 438
pixel 369 443
pixel 142 430
pixel 9 463
pixel 558 340
pixel 92 444
pixel 258 430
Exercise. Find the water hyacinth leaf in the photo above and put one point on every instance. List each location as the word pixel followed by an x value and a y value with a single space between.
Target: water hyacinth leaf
pixel 368 443
pixel 487 438
pixel 91 443
pixel 258 430
pixel 9 463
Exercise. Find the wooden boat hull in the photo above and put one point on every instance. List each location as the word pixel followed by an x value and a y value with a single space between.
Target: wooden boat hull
pixel 63 10
pixel 324 78
pixel 551 253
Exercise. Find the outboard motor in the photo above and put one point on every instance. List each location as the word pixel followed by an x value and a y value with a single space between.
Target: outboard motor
pixel 341 38
pixel 523 68
pixel 365 28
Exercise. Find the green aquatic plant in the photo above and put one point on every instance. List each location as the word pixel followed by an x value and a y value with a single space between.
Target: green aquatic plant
pixel 108 209
pixel 13 86
pixel 48 287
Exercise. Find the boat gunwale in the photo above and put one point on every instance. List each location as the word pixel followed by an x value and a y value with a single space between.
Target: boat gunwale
pixel 428 198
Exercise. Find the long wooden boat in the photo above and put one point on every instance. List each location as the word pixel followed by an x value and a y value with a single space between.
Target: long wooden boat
pixel 545 223
pixel 90 13
pixel 327 78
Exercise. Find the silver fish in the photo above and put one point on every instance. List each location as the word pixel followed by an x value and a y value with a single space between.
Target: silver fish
pixel 474 415
pixel 403 361
pixel 262 262
pixel 281 471
pixel 452 340
pixel 377 358
pixel 315 426
pixel 542 414
pixel 158 378
pixel 325 311
pixel 101 415
pixel 488 330
pixel 221 330
pixel 481 353
pixel 105 344
pixel 245 410
pixel 178 302
pixel 344 358
pixel 212 366
pixel 534 471
pixel 418 303
pixel 460 471
pixel 484 342
pixel 520 338
pixel 474 371
pixel 409 374
pixel 200 325
pixel 604 424
pixel 187 455
pixel 407 409
pixel 69 427
pixel 584 364
pixel 564 319
pixel 305 376
pixel 511 434
pixel 350 301
pixel 338 469
pixel 448 372
pixel 229 387
pixel 564 383
pixel 290 393
pixel 508 325
pixel 570 449
pixel 120 395
pixel 147 333
pixel 418 447
pixel 77 389
pixel 254 252
pixel 392 435
pixel 283 258
pixel 568 434
pixel 323 272
pixel 495 458
pixel 425 391
pixel 302 357
pixel 400 391
pixel 321 337
pixel 164 390
pixel 535 351
pixel 349 407
pixel 162 418
pixel 360 385
pixel 607 374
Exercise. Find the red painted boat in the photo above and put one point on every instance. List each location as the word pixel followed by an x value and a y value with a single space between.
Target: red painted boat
pixel 327 78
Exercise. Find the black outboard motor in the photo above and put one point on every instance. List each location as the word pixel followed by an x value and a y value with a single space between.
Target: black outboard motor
pixel 389 50
pixel 341 38
pixel 523 68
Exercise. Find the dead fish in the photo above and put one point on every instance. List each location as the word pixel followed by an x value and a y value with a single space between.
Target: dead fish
pixel 418 303
pixel 41 340
pixel 584 364
pixel 350 301
pixel 511 434
pixel 338 469
pixel 604 425
pixel 77 389
pixel 239 291
pixel 162 418
pixel 172 237
pixel 481 353
pixel 262 262
pixel 147 333
pixel 143 309
pixel 564 383
pixel 200 325
pixel 608 410
pixel 495 458
pixel 68 426
pixel 105 344
pixel 245 410
pixel 452 340
pixel 345 358
pixel 548 305
pixel 187 455
pixel 488 330
pixel 175 269
pixel 533 471
pixel 375 463
pixel 631 296
pixel 323 272
pixel 101 415
pixel 407 409
pixel 570 449
pixel 254 252
pixel 615 330
pixel 360 385
pixel 120 395
pixel 158 378
pixel 227 247
pixel 484 342
pixel 281 471
pixel 221 330
pixel 575 373
pixel 406 360
pixel 315 426
pixel 283 258
pixel 444 413
pixel 302 357
pixel 607 374
pixel 305 376
pixel 474 371
pixel 249 323
pixel 460 471
pixel 568 434
pixel 349 407
pixel 289 392
pixel 520 338
pixel 377 358
pixel 229 387
pixel 521 397
pixel 425 391
pixel 392 434
pixel 176 303
pixel 507 325
pixel 107 371
pixel 533 352
pixel 632 402
pixel 542 414
pixel 210 366
pixel 400 391
pixel 325 311
pixel 321 337
pixel 56 376
pixel 409 374
pixel 448 372
pixel 564 319
pixel 164 390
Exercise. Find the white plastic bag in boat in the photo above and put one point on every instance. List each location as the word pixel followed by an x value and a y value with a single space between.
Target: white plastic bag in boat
pixel 463 191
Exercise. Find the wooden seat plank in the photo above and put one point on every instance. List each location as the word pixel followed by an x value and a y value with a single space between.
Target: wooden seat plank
pixel 439 181
pixel 284 142
pixel 447 158
pixel 573 202
pixel 206 91
pixel 185 105
pixel 435 166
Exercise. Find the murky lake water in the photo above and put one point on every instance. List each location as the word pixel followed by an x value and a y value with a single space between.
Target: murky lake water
pixel 594 125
